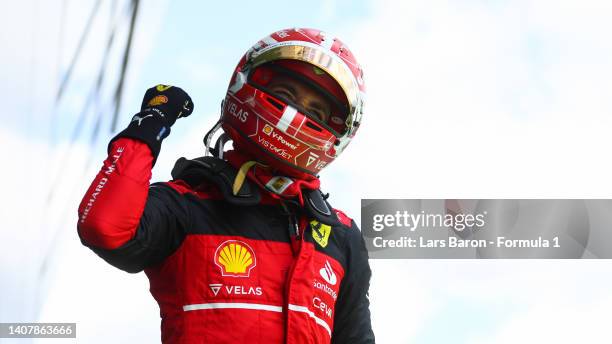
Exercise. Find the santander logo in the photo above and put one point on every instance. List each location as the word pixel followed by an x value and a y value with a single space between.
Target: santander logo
pixel 328 274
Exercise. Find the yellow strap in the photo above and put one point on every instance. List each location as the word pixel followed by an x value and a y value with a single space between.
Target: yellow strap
pixel 242 172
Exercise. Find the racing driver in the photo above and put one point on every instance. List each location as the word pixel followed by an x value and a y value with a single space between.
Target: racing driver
pixel 242 245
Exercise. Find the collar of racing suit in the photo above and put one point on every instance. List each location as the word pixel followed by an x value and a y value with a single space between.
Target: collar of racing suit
pixel 305 193
pixel 279 187
pixel 253 180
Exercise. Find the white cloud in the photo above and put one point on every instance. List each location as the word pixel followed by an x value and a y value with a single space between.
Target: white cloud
pixel 563 302
pixel 482 100
pixel 490 301
pixel 328 10
pixel 563 321
pixel 401 302
pixel 107 304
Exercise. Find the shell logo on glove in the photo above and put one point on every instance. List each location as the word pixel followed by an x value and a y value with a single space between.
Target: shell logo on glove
pixel 158 100
pixel 235 258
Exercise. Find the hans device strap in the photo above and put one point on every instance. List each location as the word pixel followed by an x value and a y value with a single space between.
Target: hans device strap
pixel 222 174
pixel 218 172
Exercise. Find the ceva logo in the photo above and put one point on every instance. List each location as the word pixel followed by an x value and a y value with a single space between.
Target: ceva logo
pixel 235 258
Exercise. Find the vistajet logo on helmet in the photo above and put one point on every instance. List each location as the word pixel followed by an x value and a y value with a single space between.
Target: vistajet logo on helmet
pixel 245 236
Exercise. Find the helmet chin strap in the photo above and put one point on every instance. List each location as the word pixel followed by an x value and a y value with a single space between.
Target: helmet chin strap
pixel 214 151
pixel 221 141
pixel 208 150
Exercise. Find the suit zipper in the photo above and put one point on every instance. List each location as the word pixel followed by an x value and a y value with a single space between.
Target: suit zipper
pixel 296 227
pixel 299 239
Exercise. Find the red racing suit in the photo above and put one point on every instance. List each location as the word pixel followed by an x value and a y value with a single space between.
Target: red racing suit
pixel 226 272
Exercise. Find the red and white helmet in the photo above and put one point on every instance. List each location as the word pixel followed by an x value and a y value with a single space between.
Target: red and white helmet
pixel 281 133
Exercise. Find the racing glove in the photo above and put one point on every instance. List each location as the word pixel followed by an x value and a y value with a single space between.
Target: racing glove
pixel 161 106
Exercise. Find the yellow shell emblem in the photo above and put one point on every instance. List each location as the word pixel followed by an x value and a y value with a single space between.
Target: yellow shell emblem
pixel 267 129
pixel 158 100
pixel 235 258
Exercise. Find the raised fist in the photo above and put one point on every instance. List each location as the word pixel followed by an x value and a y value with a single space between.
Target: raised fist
pixel 169 102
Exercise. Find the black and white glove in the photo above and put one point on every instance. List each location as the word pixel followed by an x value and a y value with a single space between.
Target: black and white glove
pixel 169 102
pixel 161 106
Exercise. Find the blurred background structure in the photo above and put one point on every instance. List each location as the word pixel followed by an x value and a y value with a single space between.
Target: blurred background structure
pixel 466 99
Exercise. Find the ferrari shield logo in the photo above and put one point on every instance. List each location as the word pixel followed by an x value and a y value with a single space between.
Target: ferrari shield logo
pixel 320 232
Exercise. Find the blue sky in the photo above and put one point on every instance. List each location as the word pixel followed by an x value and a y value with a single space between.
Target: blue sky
pixel 469 99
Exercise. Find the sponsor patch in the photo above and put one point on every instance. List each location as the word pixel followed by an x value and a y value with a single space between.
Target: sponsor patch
pixel 320 232
pixel 235 290
pixel 215 287
pixel 235 258
pixel 279 184
pixel 328 274
pixel 158 100
pixel 267 129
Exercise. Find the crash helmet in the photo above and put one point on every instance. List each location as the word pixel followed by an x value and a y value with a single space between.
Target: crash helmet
pixel 275 128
